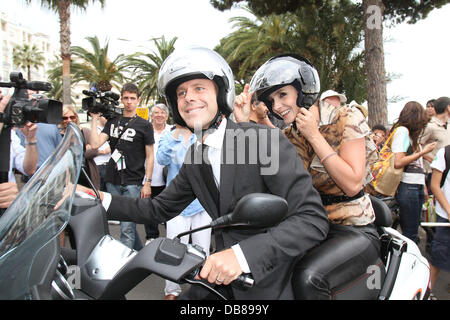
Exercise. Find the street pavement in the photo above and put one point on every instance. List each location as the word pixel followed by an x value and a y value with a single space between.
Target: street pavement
pixel 152 288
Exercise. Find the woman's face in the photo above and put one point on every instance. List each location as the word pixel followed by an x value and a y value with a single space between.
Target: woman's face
pixel 69 116
pixel 284 103
pixel 431 112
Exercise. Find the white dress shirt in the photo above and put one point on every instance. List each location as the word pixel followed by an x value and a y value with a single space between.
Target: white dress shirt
pixel 16 157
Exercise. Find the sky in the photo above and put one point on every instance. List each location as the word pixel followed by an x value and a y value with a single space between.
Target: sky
pixel 417 54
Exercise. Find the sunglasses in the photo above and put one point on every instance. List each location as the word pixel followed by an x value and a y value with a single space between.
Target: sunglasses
pixel 73 118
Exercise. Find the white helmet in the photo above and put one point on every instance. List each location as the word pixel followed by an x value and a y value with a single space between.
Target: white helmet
pixel 286 70
pixel 193 63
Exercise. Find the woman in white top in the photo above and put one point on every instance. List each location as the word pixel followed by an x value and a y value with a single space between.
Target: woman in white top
pixel 440 247
pixel 408 155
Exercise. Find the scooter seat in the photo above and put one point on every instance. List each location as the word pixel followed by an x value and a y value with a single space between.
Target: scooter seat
pixel 345 266
pixel 383 216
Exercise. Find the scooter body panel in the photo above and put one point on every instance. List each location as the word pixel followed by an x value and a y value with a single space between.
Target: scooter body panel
pixel 413 276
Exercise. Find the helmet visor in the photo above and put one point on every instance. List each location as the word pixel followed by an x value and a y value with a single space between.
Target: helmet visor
pixel 283 71
pixel 191 61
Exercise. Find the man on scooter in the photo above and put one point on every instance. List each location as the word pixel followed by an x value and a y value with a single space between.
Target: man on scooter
pixel 245 158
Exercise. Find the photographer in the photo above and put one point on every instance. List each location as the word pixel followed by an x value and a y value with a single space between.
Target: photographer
pixel 22 159
pixel 47 135
pixel 130 168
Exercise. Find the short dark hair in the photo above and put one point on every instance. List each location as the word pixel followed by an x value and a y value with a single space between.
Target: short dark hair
pixel 441 105
pixel 432 102
pixel 379 127
pixel 130 87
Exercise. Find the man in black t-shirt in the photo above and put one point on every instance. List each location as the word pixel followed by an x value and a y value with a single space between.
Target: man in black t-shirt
pixel 130 168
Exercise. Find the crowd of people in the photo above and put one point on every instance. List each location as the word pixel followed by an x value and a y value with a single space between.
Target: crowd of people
pixel 420 136
pixel 325 151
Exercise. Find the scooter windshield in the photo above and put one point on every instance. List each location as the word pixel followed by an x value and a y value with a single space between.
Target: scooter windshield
pixel 38 215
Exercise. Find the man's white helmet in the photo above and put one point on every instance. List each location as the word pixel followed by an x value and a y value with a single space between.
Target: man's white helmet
pixel 193 63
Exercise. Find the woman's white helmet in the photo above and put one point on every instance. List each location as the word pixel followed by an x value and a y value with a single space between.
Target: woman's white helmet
pixel 285 70
pixel 193 63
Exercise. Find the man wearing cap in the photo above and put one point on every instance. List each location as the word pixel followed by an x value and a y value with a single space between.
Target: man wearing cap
pixel 333 98
pixel 337 99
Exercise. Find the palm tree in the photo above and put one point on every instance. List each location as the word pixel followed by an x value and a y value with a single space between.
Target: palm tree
pixel 255 41
pixel 95 66
pixel 328 37
pixel 54 74
pixel 333 38
pixel 145 67
pixel 62 7
pixel 28 57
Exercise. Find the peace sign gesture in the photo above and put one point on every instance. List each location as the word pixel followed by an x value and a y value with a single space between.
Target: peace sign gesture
pixel 242 105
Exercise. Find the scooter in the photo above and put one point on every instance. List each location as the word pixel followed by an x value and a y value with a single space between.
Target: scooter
pixel 33 266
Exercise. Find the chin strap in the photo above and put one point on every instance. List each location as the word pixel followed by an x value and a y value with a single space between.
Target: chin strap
pixel 212 127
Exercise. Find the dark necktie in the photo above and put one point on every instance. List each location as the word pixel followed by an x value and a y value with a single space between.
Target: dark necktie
pixel 208 176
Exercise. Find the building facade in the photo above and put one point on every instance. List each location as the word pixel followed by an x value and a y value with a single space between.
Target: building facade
pixel 13 34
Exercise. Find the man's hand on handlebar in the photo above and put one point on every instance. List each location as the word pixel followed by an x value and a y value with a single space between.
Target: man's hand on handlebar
pixel 221 268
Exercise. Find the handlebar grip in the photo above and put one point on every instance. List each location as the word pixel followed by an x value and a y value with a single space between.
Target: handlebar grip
pixel 244 280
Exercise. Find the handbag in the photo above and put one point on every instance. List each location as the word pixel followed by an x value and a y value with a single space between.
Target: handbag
pixel 386 177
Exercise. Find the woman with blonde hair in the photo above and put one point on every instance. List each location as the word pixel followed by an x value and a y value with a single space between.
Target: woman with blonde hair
pixel 70 115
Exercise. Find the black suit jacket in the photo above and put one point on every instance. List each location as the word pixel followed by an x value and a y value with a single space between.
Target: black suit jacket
pixel 270 252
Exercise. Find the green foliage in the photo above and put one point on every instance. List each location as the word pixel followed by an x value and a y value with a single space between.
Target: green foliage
pixel 145 67
pixel 95 66
pixel 92 66
pixel 54 4
pixel 255 41
pixel 264 7
pixel 395 10
pixel 332 67
pixel 410 11
pixel 28 57
pixel 328 36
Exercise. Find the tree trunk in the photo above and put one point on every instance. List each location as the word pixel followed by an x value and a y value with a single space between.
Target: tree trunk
pixel 374 61
pixel 64 20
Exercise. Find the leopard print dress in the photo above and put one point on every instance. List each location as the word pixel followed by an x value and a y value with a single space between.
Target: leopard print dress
pixel 346 123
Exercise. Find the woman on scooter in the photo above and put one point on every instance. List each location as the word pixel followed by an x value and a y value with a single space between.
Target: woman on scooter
pixel 333 142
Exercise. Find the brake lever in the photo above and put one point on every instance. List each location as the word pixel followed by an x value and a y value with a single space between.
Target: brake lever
pixel 243 282
pixel 204 284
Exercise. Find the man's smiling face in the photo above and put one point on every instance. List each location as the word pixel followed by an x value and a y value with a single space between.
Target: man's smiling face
pixel 197 102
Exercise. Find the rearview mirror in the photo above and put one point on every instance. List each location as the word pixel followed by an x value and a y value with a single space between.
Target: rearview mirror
pixel 256 209
pixel 260 209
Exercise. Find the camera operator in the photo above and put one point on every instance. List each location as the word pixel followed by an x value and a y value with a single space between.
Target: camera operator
pixel 23 159
pixel 47 135
pixel 130 168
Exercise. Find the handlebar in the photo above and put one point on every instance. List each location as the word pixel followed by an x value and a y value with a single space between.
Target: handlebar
pixel 243 281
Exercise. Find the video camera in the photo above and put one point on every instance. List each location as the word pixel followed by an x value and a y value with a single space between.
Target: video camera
pixel 21 109
pixel 106 105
